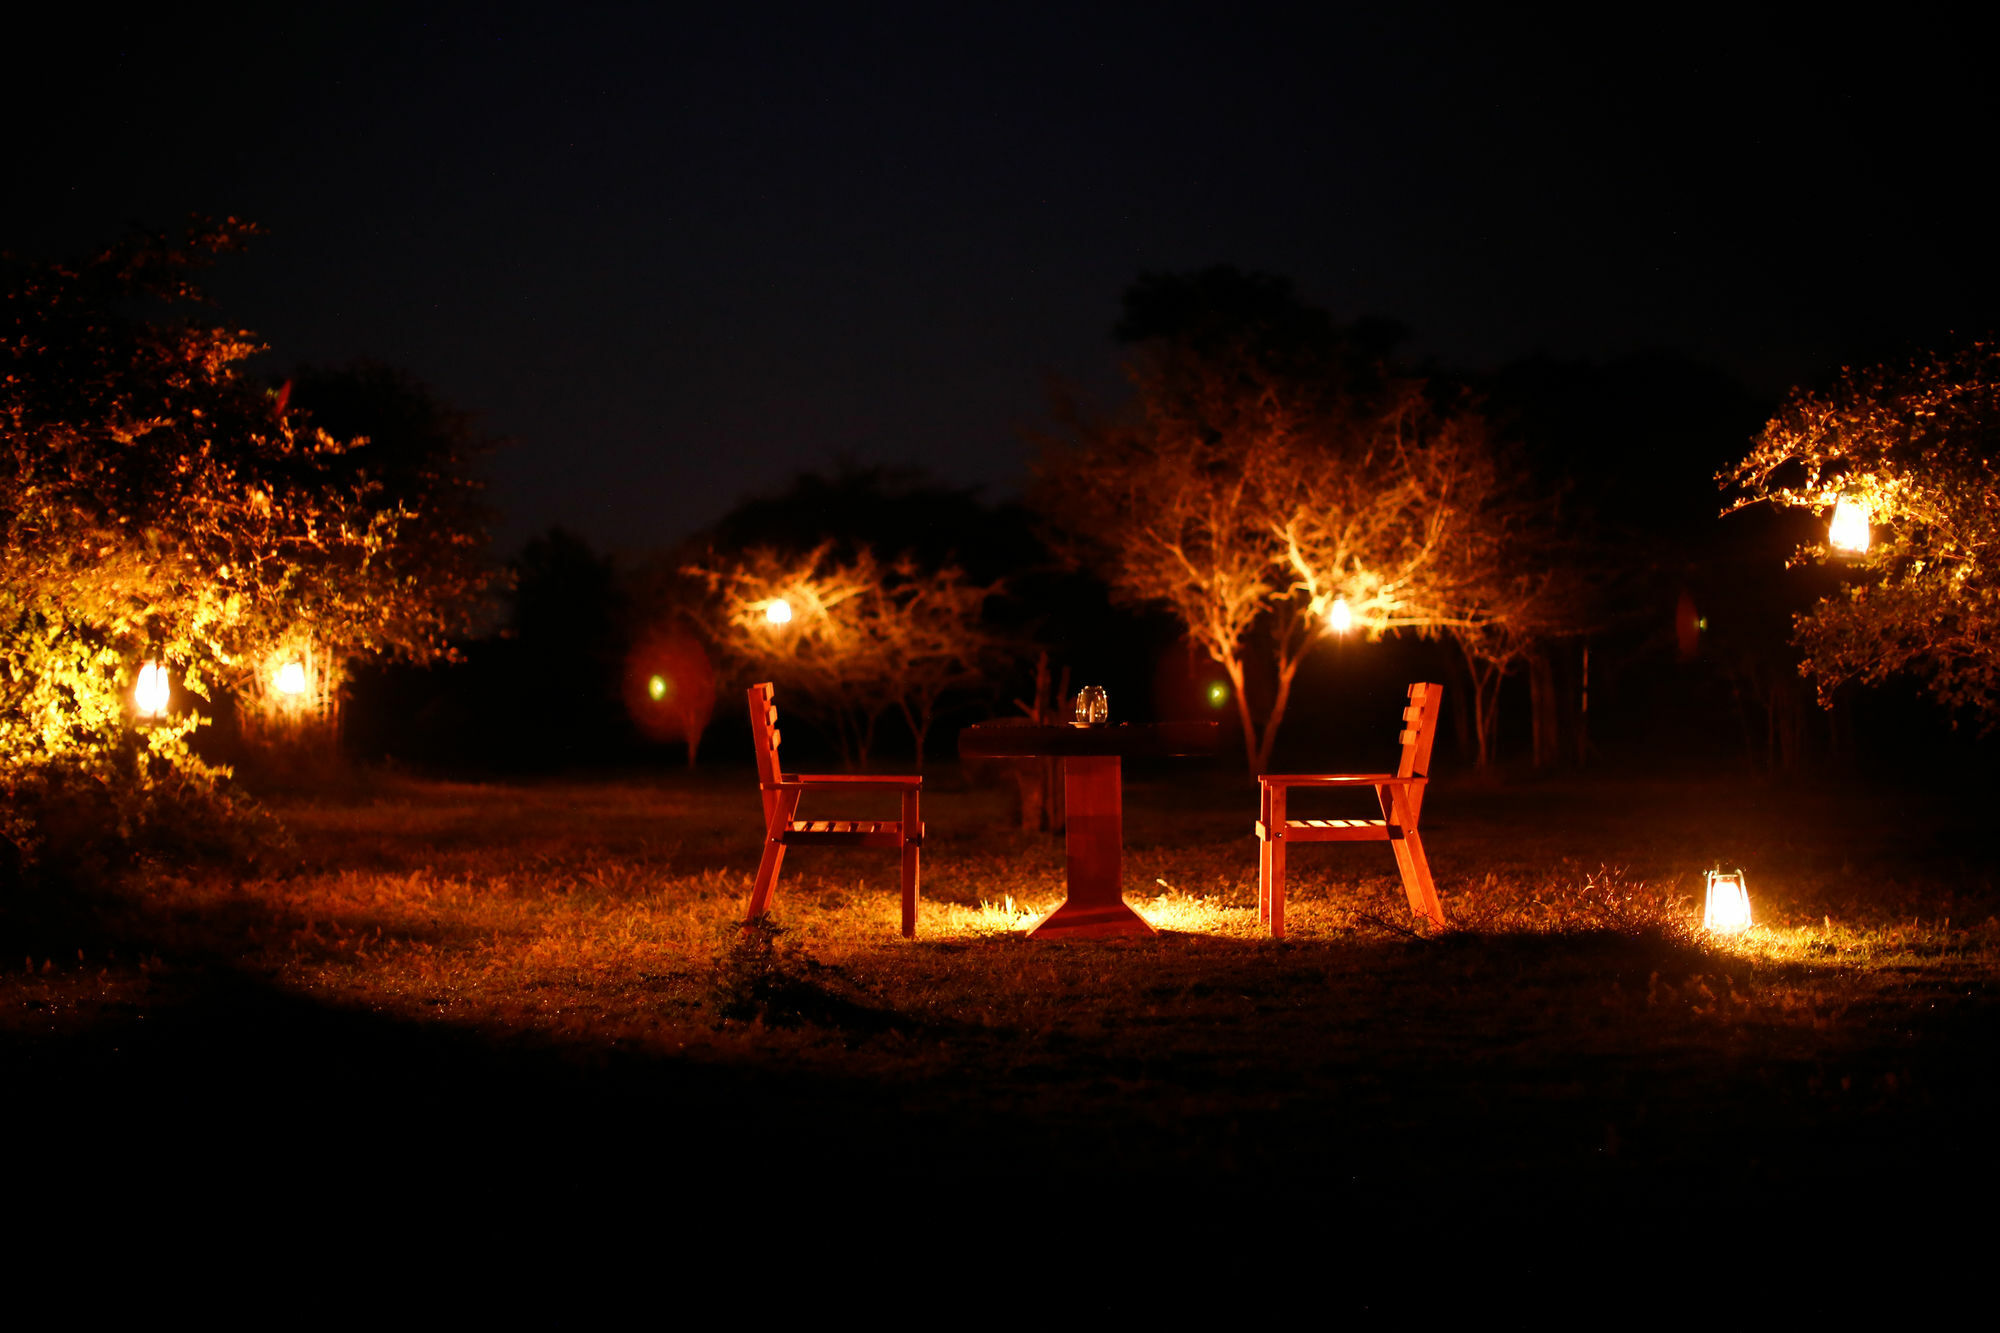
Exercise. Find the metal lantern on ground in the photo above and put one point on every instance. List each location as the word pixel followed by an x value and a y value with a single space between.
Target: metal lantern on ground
pixel 1849 529
pixel 150 694
pixel 1726 910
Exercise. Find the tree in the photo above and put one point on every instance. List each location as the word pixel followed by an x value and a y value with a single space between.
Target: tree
pixel 408 460
pixel 156 504
pixel 1267 473
pixel 852 639
pixel 1915 446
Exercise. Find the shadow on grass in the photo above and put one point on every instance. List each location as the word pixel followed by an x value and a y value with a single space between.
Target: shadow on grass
pixel 763 979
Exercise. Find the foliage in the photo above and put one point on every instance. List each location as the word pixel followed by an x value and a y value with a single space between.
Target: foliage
pixel 861 639
pixel 1917 445
pixel 156 504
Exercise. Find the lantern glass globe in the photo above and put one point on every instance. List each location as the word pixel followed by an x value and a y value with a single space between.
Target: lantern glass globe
pixel 1727 910
pixel 1849 529
pixel 149 695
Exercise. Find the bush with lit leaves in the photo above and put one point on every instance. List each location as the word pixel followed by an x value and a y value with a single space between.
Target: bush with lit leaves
pixel 155 503
pixel 1916 444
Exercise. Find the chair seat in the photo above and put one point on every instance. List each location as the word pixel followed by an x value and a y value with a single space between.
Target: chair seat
pixel 851 832
pixel 1335 830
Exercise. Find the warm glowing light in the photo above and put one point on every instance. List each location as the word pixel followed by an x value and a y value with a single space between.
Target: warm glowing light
pixel 1218 694
pixel 149 696
pixel 1849 529
pixel 1728 909
pixel 778 612
pixel 657 687
pixel 1093 706
pixel 292 678
pixel 1338 618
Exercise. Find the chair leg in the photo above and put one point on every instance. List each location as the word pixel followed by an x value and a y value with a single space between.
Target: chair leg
pixel 1417 883
pixel 1263 880
pixel 1274 832
pixel 912 829
pixel 1277 918
pixel 767 880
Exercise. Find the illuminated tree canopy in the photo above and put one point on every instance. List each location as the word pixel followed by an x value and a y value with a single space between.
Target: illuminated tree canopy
pixel 851 641
pixel 1914 446
pixel 1255 488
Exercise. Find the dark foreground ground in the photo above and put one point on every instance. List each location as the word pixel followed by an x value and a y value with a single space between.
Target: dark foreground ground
pixel 520 1018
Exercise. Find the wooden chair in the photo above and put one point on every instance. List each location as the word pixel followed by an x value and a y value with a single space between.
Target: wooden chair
pixel 781 793
pixel 1401 796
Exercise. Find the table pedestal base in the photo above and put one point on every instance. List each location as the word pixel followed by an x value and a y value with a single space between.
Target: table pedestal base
pixel 1095 909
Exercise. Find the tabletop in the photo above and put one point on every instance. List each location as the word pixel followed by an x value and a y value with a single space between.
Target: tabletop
pixel 1022 740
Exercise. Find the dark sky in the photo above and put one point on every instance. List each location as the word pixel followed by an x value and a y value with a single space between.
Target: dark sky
pixel 679 254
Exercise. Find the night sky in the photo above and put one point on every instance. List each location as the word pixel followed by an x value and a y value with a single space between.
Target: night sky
pixel 677 255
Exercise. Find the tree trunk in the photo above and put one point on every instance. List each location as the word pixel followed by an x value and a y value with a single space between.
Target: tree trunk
pixel 1234 667
pixel 1461 713
pixel 1583 708
pixel 1546 708
pixel 1286 673
pixel 1486 681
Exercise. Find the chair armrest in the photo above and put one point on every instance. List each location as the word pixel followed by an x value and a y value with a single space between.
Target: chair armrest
pixel 848 780
pixel 1338 780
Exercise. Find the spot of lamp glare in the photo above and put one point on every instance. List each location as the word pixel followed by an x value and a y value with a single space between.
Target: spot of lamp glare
pixel 1338 618
pixel 149 696
pixel 292 678
pixel 657 687
pixel 1849 529
pixel 778 612
pixel 1218 694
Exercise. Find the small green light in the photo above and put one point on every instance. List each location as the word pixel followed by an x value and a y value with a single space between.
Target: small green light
pixel 1702 623
pixel 1218 694
pixel 657 687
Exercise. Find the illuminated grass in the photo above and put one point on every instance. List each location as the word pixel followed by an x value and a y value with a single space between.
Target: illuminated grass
pixel 1574 997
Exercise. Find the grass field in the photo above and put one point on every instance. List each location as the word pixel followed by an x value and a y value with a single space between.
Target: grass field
pixel 499 990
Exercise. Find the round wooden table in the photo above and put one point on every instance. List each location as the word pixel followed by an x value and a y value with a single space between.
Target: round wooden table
pixel 1094 801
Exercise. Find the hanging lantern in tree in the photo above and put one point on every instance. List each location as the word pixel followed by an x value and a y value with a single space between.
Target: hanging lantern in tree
pixel 1849 529
pixel 1727 911
pixel 1339 618
pixel 291 678
pixel 149 696
pixel 778 611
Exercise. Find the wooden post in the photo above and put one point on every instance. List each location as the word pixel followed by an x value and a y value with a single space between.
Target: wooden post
pixel 1094 839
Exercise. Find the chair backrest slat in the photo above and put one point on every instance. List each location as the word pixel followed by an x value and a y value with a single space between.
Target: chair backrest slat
pixel 764 736
pixel 1417 740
